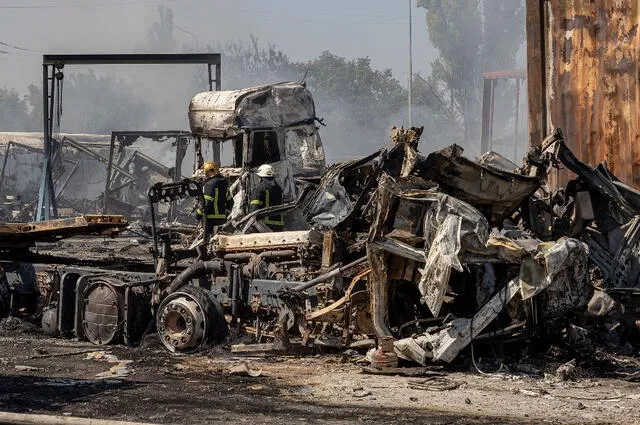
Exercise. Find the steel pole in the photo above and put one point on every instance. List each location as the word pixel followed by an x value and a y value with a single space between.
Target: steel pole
pixel 410 68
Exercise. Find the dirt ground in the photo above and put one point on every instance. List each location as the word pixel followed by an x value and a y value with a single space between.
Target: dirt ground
pixel 63 377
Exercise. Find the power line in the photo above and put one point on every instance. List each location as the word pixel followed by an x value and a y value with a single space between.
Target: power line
pixel 268 16
pixel 84 5
pixel 294 15
pixel 18 48
pixel 330 18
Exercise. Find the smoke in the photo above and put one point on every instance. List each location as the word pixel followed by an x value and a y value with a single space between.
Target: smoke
pixel 108 98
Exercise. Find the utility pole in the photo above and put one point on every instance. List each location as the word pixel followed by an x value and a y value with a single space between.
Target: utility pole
pixel 410 67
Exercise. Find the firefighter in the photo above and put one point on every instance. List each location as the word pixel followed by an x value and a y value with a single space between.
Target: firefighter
pixel 268 194
pixel 213 212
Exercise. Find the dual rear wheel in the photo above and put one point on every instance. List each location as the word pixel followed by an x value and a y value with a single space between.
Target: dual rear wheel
pixel 189 319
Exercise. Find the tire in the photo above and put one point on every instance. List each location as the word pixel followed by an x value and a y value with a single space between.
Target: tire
pixel 190 319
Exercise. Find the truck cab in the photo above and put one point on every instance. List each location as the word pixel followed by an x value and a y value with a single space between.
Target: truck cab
pixel 242 129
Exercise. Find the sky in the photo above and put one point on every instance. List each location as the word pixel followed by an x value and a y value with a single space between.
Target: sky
pixel 302 29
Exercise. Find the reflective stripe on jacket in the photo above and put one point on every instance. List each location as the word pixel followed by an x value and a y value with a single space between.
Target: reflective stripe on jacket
pixel 268 194
pixel 215 200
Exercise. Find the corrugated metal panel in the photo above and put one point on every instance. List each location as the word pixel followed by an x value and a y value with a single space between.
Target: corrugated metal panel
pixel 584 78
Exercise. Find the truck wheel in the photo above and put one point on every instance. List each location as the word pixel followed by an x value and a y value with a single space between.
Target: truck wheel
pixel 189 319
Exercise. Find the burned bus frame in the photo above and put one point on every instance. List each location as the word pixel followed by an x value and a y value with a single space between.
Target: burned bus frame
pixel 127 138
pixel 52 66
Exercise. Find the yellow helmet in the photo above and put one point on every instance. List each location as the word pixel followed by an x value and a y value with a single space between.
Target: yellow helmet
pixel 211 168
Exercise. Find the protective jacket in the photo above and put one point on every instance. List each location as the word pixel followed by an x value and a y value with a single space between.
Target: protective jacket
pixel 268 194
pixel 215 200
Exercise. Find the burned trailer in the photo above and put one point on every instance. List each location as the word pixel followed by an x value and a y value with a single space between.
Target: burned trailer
pixel 563 266
pixel 75 290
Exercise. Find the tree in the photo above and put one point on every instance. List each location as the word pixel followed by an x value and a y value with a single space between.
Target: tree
pixel 367 92
pixel 95 104
pixel 472 38
pixel 246 65
pixel 359 104
pixel 160 36
pixel 435 111
pixel 14 111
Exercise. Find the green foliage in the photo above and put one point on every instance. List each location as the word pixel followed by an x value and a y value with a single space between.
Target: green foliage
pixel 355 100
pixel 358 103
pixel 337 83
pixel 95 104
pixel 251 65
pixel 435 111
pixel 472 38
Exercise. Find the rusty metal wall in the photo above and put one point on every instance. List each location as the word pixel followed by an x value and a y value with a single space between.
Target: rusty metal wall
pixel 583 77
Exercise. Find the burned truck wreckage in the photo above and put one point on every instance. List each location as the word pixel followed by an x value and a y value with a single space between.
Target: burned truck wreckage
pixel 423 254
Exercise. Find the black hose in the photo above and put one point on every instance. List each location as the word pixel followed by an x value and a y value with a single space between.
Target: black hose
pixel 235 294
pixel 195 270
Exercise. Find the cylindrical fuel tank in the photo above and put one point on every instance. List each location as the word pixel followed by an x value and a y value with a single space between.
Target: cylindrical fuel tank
pixel 103 313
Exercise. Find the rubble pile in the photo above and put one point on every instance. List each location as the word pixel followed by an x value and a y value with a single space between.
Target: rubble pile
pixel 427 256
pixel 462 250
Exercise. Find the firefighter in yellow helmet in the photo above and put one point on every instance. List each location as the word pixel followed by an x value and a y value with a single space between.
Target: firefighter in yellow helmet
pixel 268 194
pixel 215 188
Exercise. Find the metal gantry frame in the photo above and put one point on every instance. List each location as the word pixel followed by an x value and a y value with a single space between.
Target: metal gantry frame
pixel 52 75
pixel 490 81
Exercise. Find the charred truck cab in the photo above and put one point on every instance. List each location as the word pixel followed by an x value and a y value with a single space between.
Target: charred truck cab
pixel 243 129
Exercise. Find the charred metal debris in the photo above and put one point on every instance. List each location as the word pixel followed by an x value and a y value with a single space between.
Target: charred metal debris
pixel 93 173
pixel 418 255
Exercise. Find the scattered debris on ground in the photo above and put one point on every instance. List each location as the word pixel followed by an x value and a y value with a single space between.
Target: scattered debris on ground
pixel 169 388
